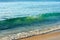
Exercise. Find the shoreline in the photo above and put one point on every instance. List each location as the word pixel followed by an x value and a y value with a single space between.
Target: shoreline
pixel 30 34
pixel 48 36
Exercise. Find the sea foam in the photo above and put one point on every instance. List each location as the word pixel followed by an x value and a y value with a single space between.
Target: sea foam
pixel 30 33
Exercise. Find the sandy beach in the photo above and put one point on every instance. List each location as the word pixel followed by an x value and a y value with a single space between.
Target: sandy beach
pixel 47 36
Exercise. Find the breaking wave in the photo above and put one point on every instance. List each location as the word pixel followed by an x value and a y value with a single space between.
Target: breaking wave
pixel 30 25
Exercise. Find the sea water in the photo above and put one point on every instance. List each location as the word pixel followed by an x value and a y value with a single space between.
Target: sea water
pixel 22 9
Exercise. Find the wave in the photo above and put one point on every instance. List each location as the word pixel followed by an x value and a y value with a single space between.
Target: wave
pixel 46 18
pixel 30 33
pixel 38 20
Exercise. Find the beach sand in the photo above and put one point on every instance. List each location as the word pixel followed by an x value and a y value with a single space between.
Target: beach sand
pixel 47 36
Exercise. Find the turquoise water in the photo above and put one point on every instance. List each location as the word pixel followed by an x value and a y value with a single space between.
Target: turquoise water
pixel 11 10
pixel 16 9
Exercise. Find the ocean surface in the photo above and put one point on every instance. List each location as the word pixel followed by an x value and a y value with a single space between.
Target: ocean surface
pixel 16 9
pixel 10 10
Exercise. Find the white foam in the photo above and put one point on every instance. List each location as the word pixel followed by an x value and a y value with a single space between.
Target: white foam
pixel 30 33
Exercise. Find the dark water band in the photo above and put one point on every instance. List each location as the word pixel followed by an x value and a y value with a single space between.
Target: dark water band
pixel 46 18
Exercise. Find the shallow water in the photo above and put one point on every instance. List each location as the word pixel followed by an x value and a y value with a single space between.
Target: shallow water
pixel 38 26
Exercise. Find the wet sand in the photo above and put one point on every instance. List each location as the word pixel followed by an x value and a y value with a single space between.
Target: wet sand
pixel 47 36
